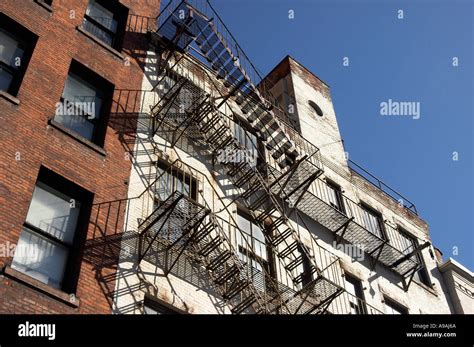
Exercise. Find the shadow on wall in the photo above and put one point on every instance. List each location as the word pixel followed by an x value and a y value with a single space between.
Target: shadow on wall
pixel 110 247
pixel 112 244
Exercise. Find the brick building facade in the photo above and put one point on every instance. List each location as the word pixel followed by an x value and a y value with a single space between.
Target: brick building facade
pixel 155 171
pixel 35 143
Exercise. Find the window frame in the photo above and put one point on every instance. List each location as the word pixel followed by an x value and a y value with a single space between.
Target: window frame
pixel 394 305
pixel 361 307
pixel 94 120
pixel 120 15
pixel 338 193
pixel 72 263
pixel 27 41
pixel 315 107
pixel 423 275
pixel 372 211
pixel 105 89
pixel 250 254
pixel 189 179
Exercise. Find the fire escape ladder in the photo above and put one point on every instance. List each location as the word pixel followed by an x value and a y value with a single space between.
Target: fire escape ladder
pixel 172 220
pixel 181 225
pixel 265 207
pixel 214 48
pixel 225 268
pixel 263 193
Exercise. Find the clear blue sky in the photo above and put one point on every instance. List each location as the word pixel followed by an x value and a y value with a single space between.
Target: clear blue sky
pixel 403 60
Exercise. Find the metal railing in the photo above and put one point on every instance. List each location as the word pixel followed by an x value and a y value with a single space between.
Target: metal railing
pixel 347 303
pixel 205 9
pixel 200 77
pixel 140 24
pixel 349 210
pixel 393 244
pixel 390 192
pixel 178 171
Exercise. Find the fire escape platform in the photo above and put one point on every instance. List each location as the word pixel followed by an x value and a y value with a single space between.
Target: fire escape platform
pixel 292 167
pixel 170 221
pixel 334 220
pixel 346 228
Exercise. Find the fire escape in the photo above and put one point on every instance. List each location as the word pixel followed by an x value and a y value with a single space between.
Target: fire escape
pixel 286 183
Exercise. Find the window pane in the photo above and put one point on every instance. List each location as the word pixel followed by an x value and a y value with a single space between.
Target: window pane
pixel 259 242
pixel 169 183
pixel 51 212
pixel 244 224
pixel 102 15
pixel 80 107
pixel 407 244
pixel 98 32
pixel 5 79
pixel 9 49
pixel 353 287
pixel 350 287
pixel 163 188
pixel 83 95
pixel 78 124
pixel 40 259
pixel 332 195
pixel 372 223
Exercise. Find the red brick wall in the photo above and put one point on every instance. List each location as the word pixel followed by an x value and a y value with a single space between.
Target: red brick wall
pixel 24 129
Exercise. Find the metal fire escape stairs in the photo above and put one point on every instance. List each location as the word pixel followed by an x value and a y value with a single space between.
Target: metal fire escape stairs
pixel 181 223
pixel 265 197
pixel 253 104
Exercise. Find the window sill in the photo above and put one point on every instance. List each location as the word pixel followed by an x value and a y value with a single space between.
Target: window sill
pixel 9 97
pixel 77 137
pixel 426 287
pixel 40 286
pixel 100 42
pixel 44 5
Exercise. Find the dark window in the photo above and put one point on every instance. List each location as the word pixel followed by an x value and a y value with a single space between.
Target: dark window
pixel 356 300
pixel 305 269
pixel 171 179
pixel 335 196
pixel 106 20
pixel 392 307
pixel 16 47
pixel 84 103
pixel 408 245
pixel 316 108
pixel 55 225
pixel 373 221
pixel 152 306
pixel 253 249
pixel 251 146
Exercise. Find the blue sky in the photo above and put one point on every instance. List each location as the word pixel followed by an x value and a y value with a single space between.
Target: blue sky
pixel 406 59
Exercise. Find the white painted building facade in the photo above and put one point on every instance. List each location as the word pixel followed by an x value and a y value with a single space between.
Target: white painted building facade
pixel 357 243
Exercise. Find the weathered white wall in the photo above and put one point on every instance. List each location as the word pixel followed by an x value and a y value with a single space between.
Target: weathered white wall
pixel 459 286
pixel 196 297
pixel 324 133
